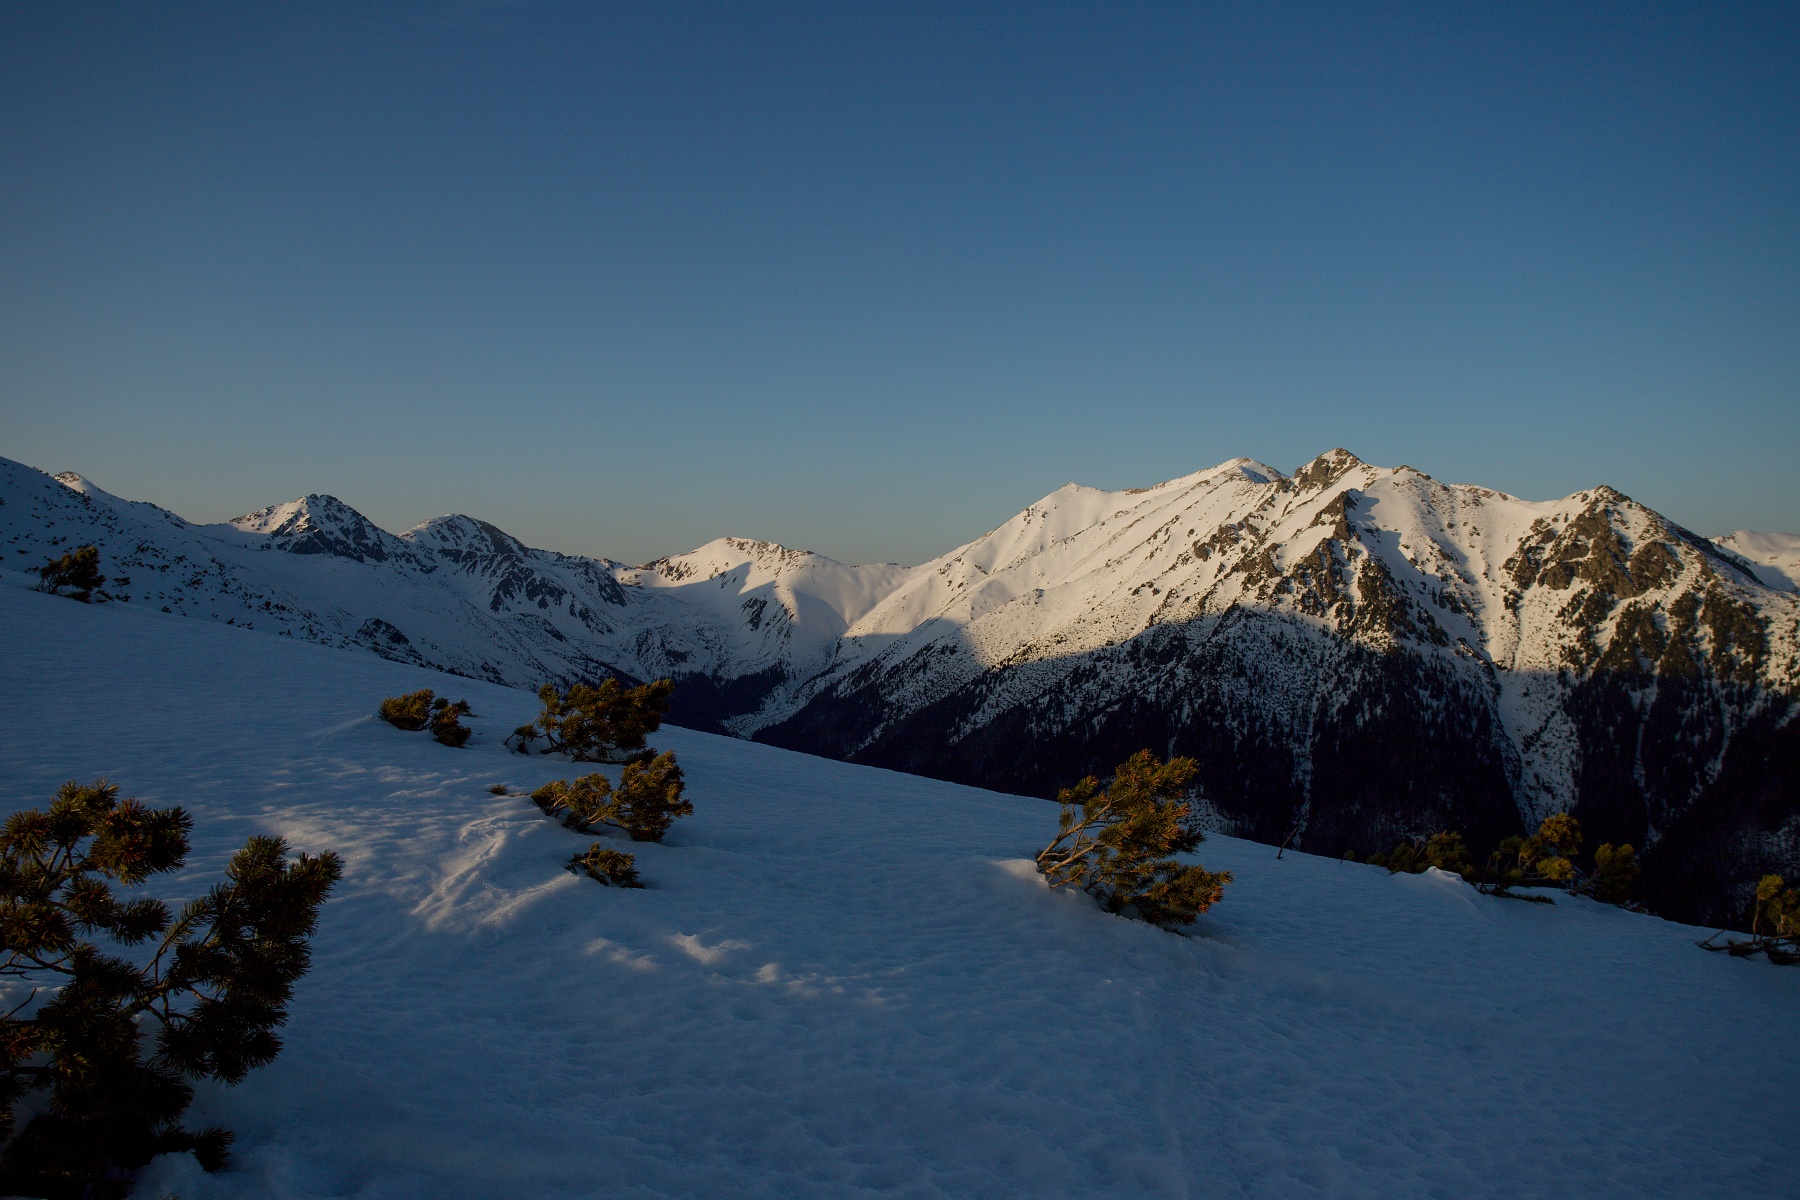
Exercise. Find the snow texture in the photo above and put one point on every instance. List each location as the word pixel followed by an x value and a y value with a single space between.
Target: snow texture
pixel 847 982
pixel 1773 557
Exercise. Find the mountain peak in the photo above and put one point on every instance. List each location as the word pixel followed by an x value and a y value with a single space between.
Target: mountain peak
pixel 460 533
pixel 321 524
pixel 1327 469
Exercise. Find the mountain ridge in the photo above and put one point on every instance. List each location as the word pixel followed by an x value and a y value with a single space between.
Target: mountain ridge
pixel 1293 631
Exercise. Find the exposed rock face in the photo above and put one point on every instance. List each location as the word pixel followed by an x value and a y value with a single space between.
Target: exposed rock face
pixel 1355 654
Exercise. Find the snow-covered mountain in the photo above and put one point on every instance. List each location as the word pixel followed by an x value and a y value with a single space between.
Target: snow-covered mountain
pixel 1355 654
pixel 733 618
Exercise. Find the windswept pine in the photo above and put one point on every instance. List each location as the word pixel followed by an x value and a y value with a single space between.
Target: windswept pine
pixel 424 709
pixel 646 802
pixel 1118 843
pixel 113 1034
pixel 78 572
pixel 607 723
pixel 611 868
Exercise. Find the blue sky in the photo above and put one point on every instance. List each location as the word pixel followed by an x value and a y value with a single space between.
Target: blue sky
pixel 868 279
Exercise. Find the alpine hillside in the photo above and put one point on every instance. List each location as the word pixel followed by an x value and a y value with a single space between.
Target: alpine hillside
pixel 1355 654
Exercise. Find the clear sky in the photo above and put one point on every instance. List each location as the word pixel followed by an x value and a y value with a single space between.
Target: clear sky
pixel 869 278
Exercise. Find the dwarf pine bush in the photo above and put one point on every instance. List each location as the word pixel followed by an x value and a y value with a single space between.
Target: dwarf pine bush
pixel 78 570
pixel 1777 910
pixel 411 711
pixel 1446 851
pixel 649 798
pixel 644 805
pixel 608 723
pixel 424 710
pixel 1774 925
pixel 1551 851
pixel 1615 870
pixel 118 1037
pixel 446 723
pixel 1116 842
pixel 579 804
pixel 1545 859
pixel 614 868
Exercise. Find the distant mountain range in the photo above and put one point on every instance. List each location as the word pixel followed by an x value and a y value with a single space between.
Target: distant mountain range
pixel 1356 654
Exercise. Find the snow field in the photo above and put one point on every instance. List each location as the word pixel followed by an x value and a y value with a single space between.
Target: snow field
pixel 848 982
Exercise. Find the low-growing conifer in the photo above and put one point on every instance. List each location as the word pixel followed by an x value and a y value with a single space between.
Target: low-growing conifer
pixel 644 805
pixel 1550 852
pixel 1774 925
pixel 1777 911
pixel 1116 843
pixel 425 710
pixel 446 722
pixel 1446 851
pixel 579 804
pixel 411 711
pixel 649 798
pixel 608 723
pixel 78 570
pixel 117 1041
pixel 1615 870
pixel 614 868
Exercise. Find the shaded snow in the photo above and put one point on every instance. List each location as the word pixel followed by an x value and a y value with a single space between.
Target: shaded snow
pixel 1773 557
pixel 848 982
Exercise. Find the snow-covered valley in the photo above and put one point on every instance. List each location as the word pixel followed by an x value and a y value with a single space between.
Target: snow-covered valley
pixel 846 981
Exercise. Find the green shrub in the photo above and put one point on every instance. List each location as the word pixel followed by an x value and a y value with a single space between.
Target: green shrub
pixel 1502 872
pixel 1115 843
pixel 1615 870
pixel 425 710
pixel 214 989
pixel 1777 911
pixel 446 723
pixel 1774 925
pixel 645 804
pixel 608 723
pixel 1406 859
pixel 410 712
pixel 1550 852
pixel 614 868
pixel 79 570
pixel 581 804
pixel 649 798
pixel 1446 851
pixel 1545 859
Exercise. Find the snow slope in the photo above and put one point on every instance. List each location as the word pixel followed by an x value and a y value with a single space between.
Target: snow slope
pixel 846 982
pixel 1774 557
